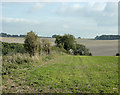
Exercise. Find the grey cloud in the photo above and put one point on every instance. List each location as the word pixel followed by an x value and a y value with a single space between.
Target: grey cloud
pixel 83 28
pixel 104 14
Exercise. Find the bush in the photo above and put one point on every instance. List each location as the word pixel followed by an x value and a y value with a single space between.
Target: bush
pixel 69 44
pixel 81 50
pixel 31 43
pixel 39 48
pixel 67 41
pixel 58 41
pixel 46 46
pixel 12 48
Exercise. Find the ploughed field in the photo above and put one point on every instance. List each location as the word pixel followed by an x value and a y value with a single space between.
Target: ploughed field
pixel 60 73
pixel 97 47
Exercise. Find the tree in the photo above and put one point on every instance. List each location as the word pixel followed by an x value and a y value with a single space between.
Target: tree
pixel 67 41
pixel 107 37
pixel 58 41
pixel 31 43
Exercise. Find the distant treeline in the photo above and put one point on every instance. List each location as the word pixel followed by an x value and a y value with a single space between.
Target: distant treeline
pixel 107 37
pixel 9 35
pixel 102 37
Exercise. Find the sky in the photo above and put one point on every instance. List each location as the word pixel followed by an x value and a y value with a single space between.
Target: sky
pixel 81 19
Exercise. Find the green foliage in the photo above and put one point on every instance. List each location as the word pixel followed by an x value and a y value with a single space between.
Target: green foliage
pixel 58 41
pixel 81 50
pixel 107 37
pixel 11 48
pixel 31 43
pixel 8 35
pixel 39 48
pixel 67 41
pixel 57 50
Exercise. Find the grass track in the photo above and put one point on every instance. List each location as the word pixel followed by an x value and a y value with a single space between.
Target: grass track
pixel 77 74
pixel 65 74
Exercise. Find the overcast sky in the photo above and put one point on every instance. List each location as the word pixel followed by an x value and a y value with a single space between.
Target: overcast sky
pixel 81 19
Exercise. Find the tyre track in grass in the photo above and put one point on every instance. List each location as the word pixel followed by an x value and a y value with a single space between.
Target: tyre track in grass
pixel 80 73
pixel 51 61
pixel 87 72
pixel 97 77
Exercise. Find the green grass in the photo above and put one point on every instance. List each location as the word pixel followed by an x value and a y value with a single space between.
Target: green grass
pixel 64 74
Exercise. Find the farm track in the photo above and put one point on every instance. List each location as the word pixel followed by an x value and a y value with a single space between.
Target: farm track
pixel 65 74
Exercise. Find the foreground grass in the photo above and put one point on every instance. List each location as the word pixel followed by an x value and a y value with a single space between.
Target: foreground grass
pixel 62 73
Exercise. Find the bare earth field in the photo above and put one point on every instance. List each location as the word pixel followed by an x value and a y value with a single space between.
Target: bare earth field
pixel 97 47
pixel 101 47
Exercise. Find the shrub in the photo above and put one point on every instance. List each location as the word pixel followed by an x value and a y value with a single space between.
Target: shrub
pixel 39 48
pixel 58 41
pixel 46 46
pixel 81 50
pixel 31 43
pixel 67 41
pixel 12 48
